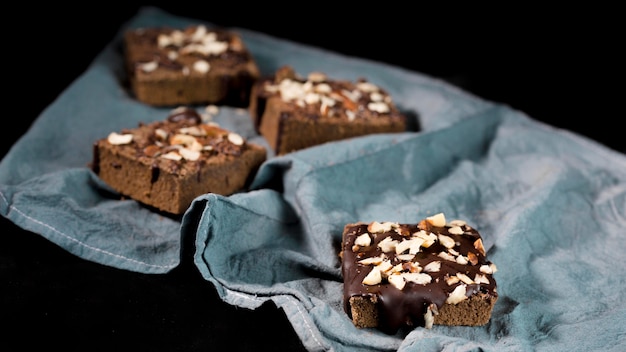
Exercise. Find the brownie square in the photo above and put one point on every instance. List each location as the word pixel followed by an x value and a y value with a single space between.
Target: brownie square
pixel 195 65
pixel 166 164
pixel 407 275
pixel 294 113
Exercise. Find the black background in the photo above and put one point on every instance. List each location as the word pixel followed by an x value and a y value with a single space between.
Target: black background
pixel 562 67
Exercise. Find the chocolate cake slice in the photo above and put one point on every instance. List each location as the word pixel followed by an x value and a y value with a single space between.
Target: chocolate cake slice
pixel 408 275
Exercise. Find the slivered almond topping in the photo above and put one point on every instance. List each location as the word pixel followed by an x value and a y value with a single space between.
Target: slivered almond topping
pixel 412 245
pixel 418 278
pixel 387 244
pixel 172 156
pixel 162 134
pixel 235 138
pixel 437 220
pixel 118 139
pixel 481 279
pixel 378 227
pixel 189 154
pixel 316 77
pixel 488 269
pixel 201 66
pixel 458 222
pixel 363 240
pixel 149 66
pixel 379 107
pixel 457 295
pixel 433 266
pixel 371 260
pixel 478 244
pixel 429 316
pixel 462 260
pixel 446 256
pixel 451 280
pixel 455 230
pixel 446 241
pixel 472 257
pixel 429 238
pixel 464 278
pixel 374 277
pixel 405 257
pixel 397 280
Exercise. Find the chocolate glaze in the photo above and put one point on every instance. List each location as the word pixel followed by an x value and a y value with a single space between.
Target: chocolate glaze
pixel 406 307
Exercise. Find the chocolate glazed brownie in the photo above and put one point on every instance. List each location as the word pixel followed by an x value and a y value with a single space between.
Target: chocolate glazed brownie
pixel 407 275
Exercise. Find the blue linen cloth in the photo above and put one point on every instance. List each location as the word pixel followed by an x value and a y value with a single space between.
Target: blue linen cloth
pixel 550 205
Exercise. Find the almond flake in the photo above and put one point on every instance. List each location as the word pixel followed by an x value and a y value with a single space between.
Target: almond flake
pixel 481 279
pixel 418 278
pixel 162 134
pixel 235 139
pixel 378 107
pixel 446 256
pixel 397 281
pixel 429 238
pixel 478 244
pixel 189 154
pixel 437 220
pixel 487 269
pixel 316 77
pixel 367 86
pixel 387 245
pixel 462 260
pixel 433 266
pixel 429 316
pixel 466 279
pixel 458 222
pixel 384 266
pixel 363 240
pixel 413 245
pixel 172 156
pixel 149 66
pixel 451 280
pixel 201 66
pixel 378 227
pixel 118 139
pixel 455 230
pixel 323 88
pixel 371 260
pixel 405 257
pixel 373 278
pixel 446 241
pixel 376 96
pixel 457 295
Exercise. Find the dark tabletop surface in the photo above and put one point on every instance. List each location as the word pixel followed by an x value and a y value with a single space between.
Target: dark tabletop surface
pixel 556 67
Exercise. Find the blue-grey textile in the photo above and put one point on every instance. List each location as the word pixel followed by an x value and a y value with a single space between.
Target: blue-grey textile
pixel 550 205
